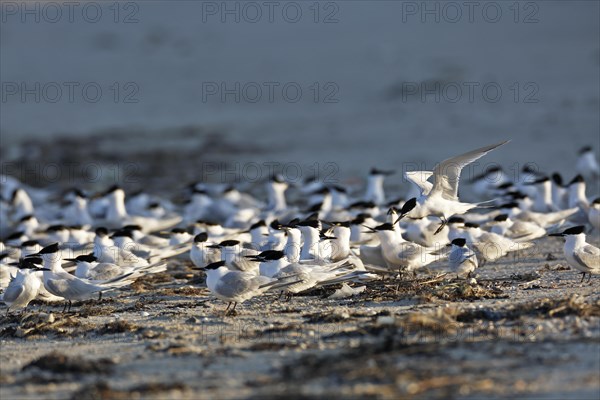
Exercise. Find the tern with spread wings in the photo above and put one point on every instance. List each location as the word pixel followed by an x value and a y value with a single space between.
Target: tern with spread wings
pixel 442 199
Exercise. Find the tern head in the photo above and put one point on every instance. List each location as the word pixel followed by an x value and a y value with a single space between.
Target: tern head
pixel 315 207
pixel 406 208
pixel 199 191
pixel 215 265
pixel 360 218
pixel 34 263
pixel 322 191
pixel 89 258
pixel 362 204
pixel 345 224
pixel 276 225
pixel 122 233
pixel 206 223
pixel 576 230
pixel 380 172
pixel 529 169
pixel 313 217
pixel 456 220
pixel 392 210
pixel 384 227
pixel 267 255
pixel 308 223
pixel 112 189
pixel 501 218
pixel 324 234
pixel 539 181
pixel 101 232
pixel 30 243
pixel 79 193
pixel 278 181
pixel 51 249
pixel 585 149
pixel 257 225
pixel 132 227
pixel 56 228
pixel 14 236
pixel 226 244
pixel 459 242
pixel 26 218
pixel 48 253
pixel 596 202
pixel 338 189
pixel 577 179
pixel 557 179
pixel 471 225
pixel 201 237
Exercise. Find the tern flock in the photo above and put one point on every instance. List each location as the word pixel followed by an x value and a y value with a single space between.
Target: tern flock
pixel 68 246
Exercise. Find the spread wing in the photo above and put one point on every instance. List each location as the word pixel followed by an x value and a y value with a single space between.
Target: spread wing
pixel 420 179
pixel 588 256
pixel 447 173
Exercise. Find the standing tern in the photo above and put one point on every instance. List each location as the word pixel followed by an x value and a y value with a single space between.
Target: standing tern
pixel 462 260
pixel 236 286
pixel 580 255
pixel 25 285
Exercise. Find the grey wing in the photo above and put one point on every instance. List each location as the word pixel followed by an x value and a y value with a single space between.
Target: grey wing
pixel 447 173
pixel 235 284
pixel 12 293
pixel 588 256
pixel 74 290
pixel 372 255
pixel 106 271
pixel 292 271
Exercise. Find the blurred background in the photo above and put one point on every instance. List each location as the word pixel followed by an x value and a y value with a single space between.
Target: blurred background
pixel 152 90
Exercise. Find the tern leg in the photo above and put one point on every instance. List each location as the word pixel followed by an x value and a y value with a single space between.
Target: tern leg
pixel 442 225
pixel 65 307
pixel 70 304
pixel 99 296
pixel 230 312
pixel 583 277
pixel 228 305
pixel 589 277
